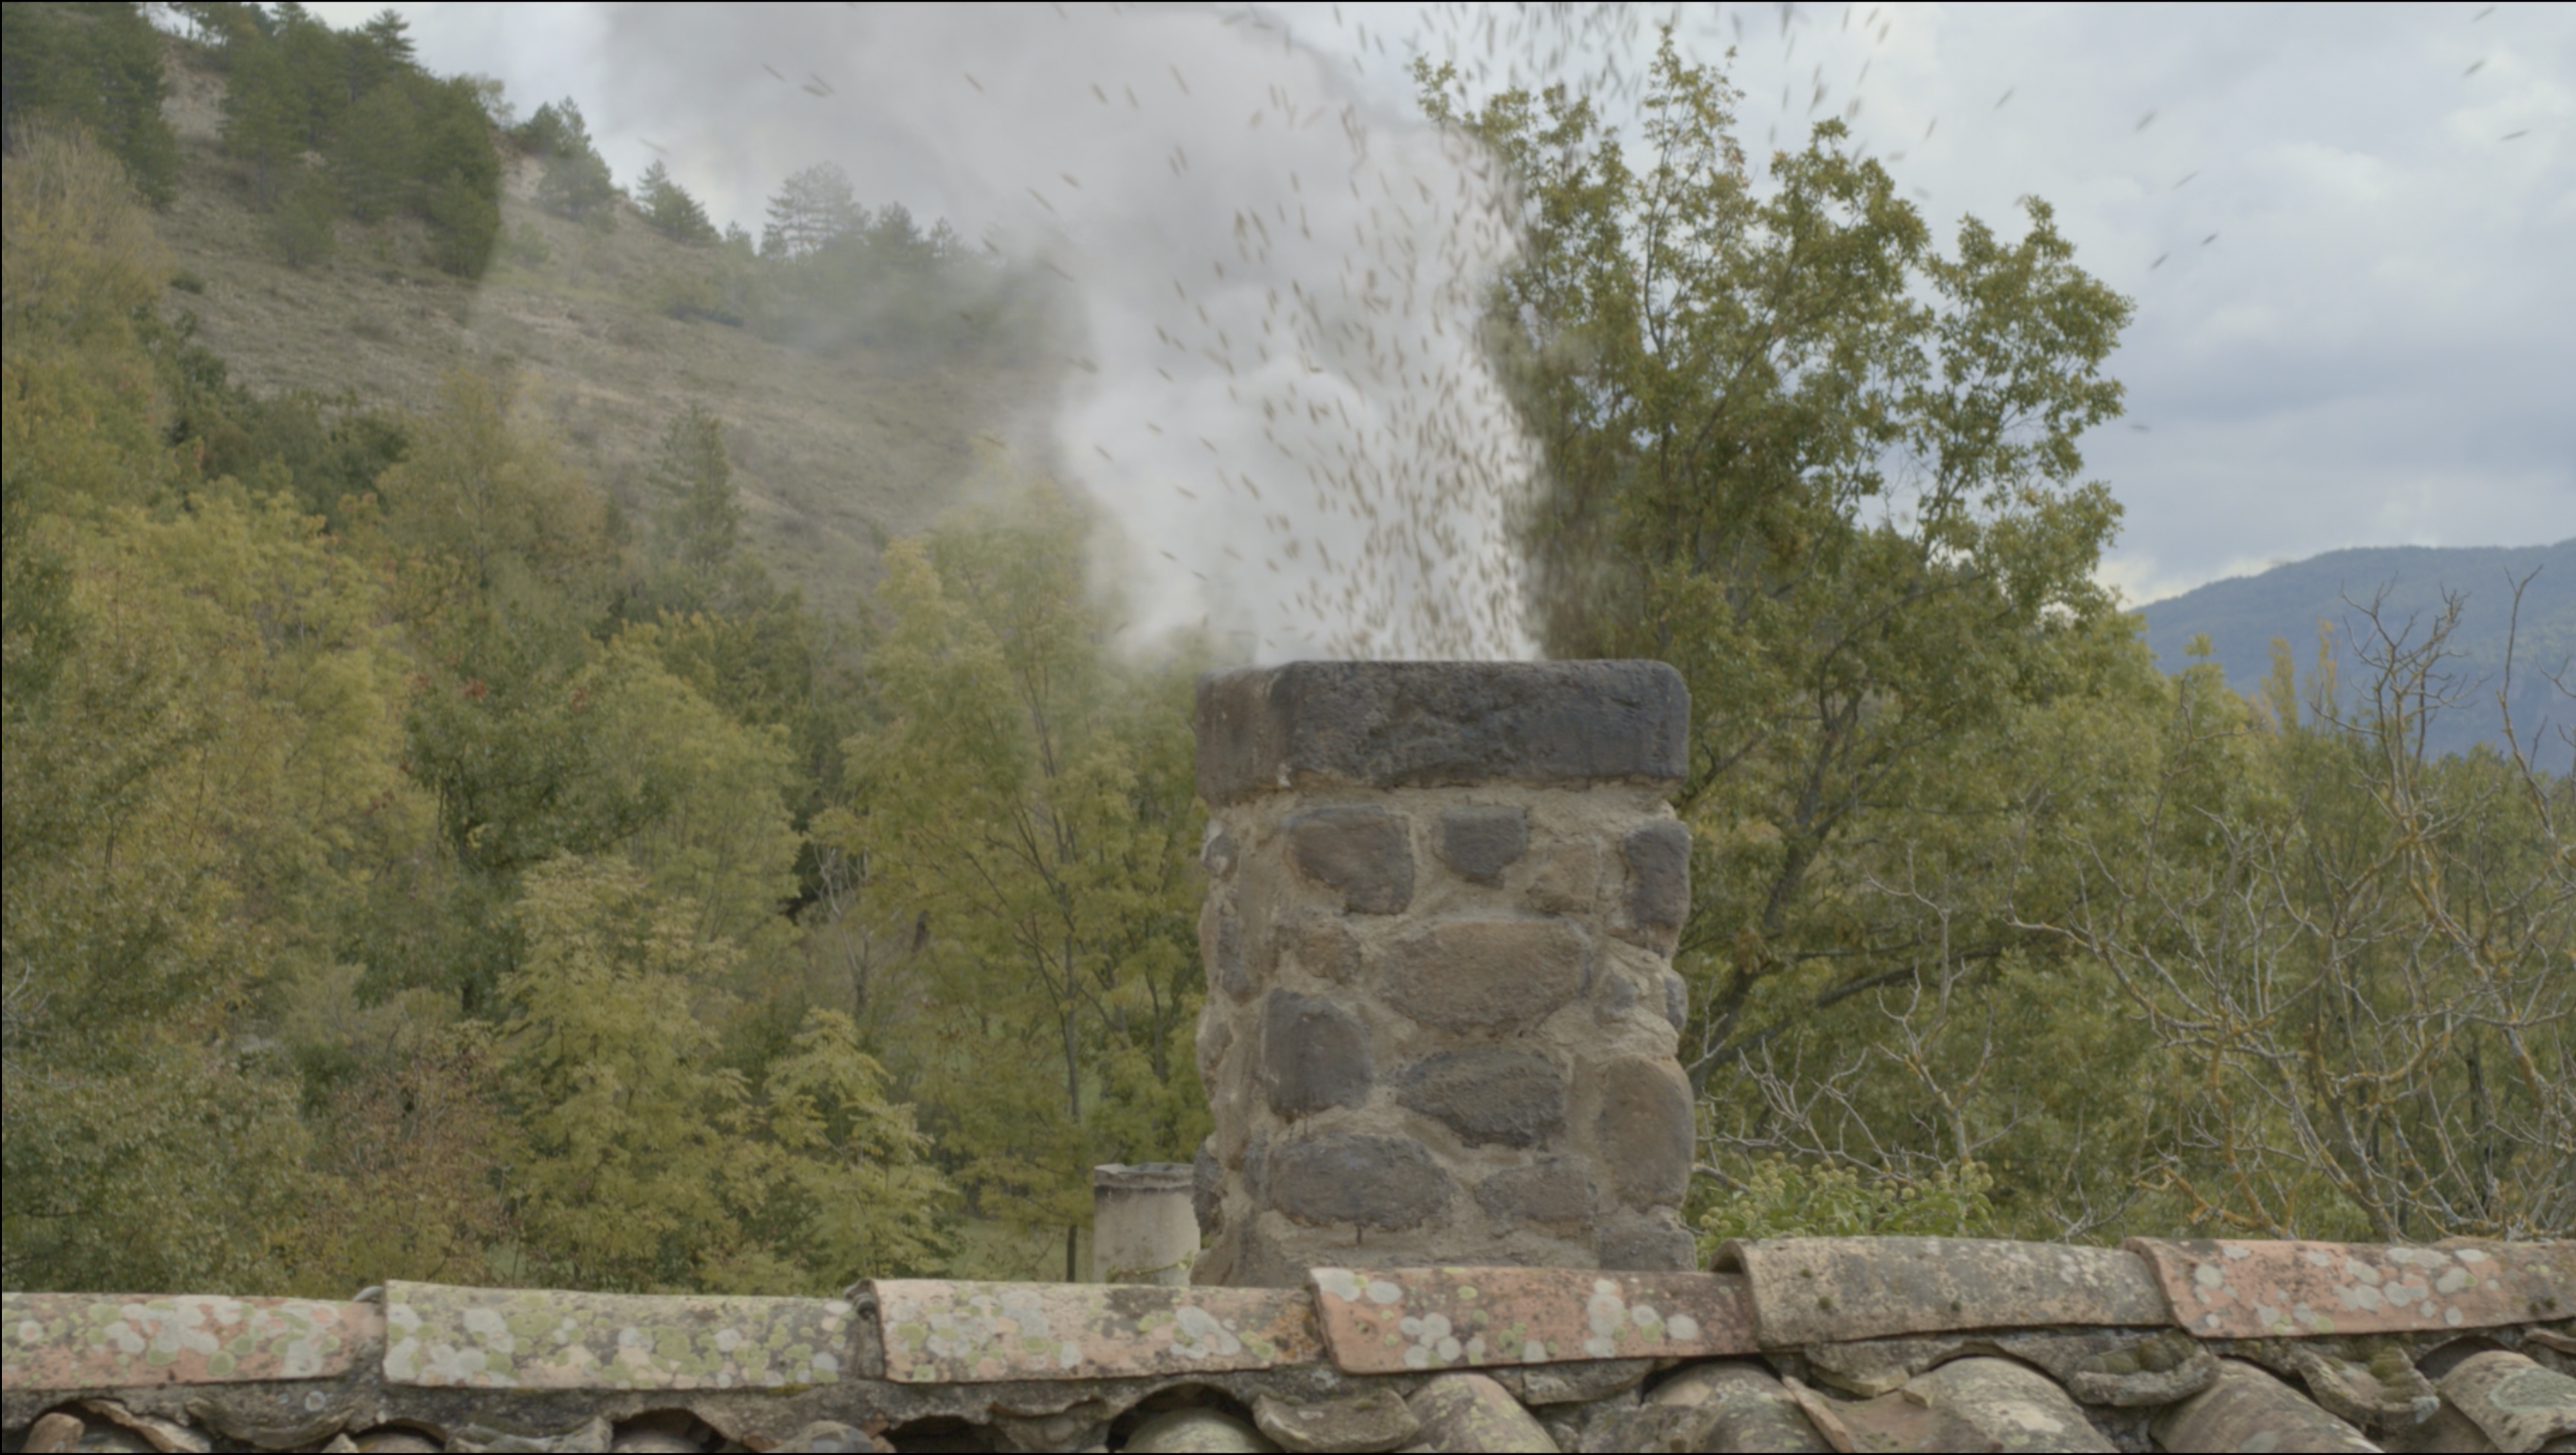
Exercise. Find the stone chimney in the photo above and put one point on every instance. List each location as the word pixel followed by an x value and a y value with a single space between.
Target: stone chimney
pixel 1442 1019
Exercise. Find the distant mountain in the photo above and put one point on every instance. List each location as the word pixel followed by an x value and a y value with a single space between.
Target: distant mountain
pixel 2242 615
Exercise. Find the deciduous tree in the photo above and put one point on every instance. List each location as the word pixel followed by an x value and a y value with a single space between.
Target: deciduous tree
pixel 1030 796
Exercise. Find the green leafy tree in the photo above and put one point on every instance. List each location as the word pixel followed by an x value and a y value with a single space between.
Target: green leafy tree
pixel 576 181
pixel 814 208
pixel 671 210
pixel 1033 801
pixel 304 228
pixel 375 153
pixel 96 66
pixel 193 806
pixel 411 1157
pixel 1830 472
pixel 84 268
pixel 653 1167
pixel 2355 953
pixel 316 59
pixel 700 525
pixel 457 174
pixel 381 53
pixel 466 220
pixel 323 452
pixel 263 115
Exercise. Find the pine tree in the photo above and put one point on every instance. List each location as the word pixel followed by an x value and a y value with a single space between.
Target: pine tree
pixel 98 66
pixel 577 182
pixel 462 173
pixel 381 52
pixel 301 227
pixel 375 157
pixel 261 115
pixel 465 222
pixel 317 72
pixel 671 210
pixel 814 208
pixel 702 524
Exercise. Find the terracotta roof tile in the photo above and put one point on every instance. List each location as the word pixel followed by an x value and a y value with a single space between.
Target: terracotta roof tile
pixel 935 1331
pixel 1828 1290
pixel 2517 1403
pixel 2225 1288
pixel 1800 1344
pixel 111 1341
pixel 490 1338
pixel 1392 1320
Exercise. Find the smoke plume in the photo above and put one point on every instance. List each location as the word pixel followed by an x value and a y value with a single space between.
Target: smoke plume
pixel 1279 394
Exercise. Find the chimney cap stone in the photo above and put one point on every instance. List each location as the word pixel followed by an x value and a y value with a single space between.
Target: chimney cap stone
pixel 1309 725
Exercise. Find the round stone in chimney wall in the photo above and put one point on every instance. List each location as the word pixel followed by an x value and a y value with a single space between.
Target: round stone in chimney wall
pixel 1207 1190
pixel 1614 994
pixel 1478 843
pixel 1495 976
pixel 1218 853
pixel 1553 1192
pixel 1314 1055
pixel 1658 859
pixel 1362 850
pixel 1642 1130
pixel 1648 1242
pixel 1505 1096
pixel 1358 1179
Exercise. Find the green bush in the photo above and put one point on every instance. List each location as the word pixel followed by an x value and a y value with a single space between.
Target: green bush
pixel 301 228
pixel 1777 1198
pixel 465 223
pixel 528 246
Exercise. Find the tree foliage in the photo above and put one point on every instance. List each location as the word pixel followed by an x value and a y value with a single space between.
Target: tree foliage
pixel 2358 954
pixel 1830 471
pixel 394 140
pixel 576 182
pixel 413 869
pixel 815 208
pixel 1032 800
pixel 670 210
pixel 96 67
pixel 653 1166
pixel 338 760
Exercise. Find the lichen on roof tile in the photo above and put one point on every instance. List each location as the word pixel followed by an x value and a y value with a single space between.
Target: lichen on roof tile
pixel 1393 1320
pixel 940 1331
pixel 2247 1409
pixel 2232 1289
pixel 438 1337
pixel 107 1341
pixel 1829 1290
pixel 2517 1403
pixel 2052 1347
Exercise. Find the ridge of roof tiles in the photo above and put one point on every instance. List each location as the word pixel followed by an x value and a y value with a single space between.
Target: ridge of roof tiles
pixel 1785 1344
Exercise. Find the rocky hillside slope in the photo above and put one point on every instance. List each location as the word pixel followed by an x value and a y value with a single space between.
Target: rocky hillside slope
pixel 832 453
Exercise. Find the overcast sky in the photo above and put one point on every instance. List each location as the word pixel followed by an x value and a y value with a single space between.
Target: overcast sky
pixel 2348 232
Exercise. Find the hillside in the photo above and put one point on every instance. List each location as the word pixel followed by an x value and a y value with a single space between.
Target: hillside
pixel 833 451
pixel 2242 616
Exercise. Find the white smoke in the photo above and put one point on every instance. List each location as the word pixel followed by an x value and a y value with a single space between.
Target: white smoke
pixel 1281 398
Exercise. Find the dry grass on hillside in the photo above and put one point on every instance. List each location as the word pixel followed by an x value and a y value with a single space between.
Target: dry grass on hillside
pixel 831 454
